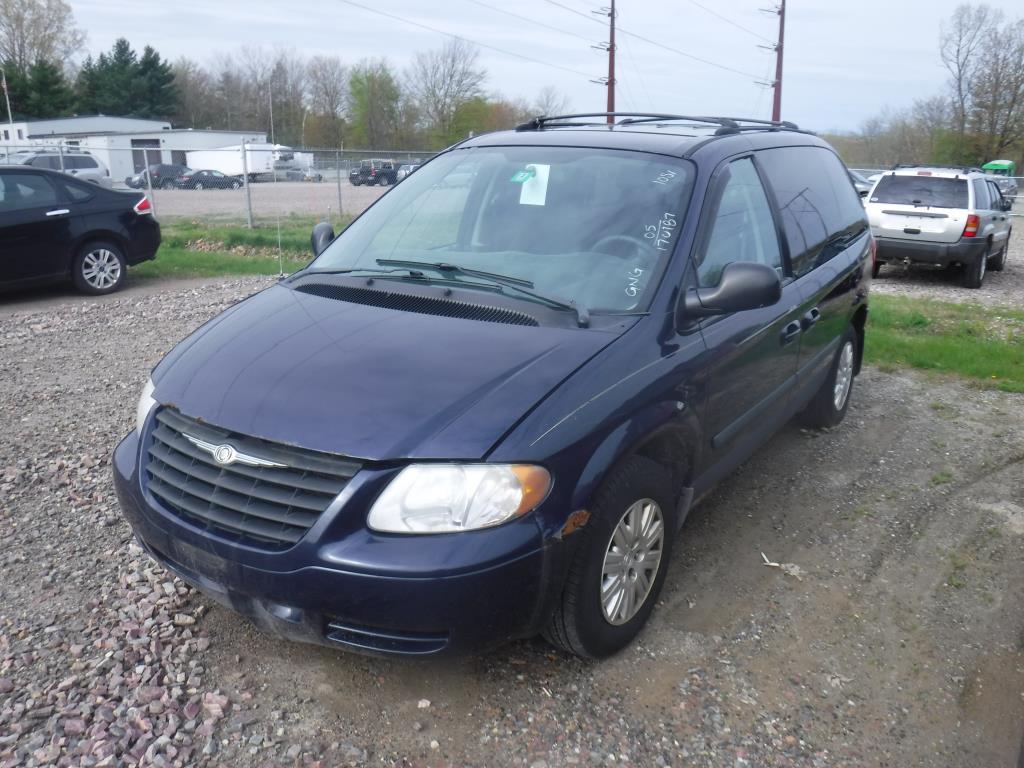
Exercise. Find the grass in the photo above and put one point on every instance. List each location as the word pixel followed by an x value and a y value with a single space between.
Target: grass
pixel 942 477
pixel 981 343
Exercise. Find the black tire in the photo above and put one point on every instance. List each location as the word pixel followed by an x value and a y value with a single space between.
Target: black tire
pixel 998 263
pixel 356 183
pixel 822 412
pixel 875 269
pixel 167 184
pixel 94 273
pixel 578 624
pixel 197 185
pixel 974 274
pixel 236 184
pixel 382 181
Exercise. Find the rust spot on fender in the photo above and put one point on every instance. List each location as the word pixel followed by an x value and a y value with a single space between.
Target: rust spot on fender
pixel 576 520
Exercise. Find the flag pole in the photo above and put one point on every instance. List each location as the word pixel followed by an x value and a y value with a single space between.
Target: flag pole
pixel 7 96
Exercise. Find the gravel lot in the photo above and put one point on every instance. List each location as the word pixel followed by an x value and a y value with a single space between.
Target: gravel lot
pixel 287 198
pixel 893 637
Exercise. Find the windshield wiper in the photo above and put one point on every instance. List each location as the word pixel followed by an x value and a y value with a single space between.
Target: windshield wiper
pixel 373 270
pixel 441 266
pixel 500 281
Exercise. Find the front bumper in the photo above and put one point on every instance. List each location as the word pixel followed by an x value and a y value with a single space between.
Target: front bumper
pixel 964 251
pixel 344 586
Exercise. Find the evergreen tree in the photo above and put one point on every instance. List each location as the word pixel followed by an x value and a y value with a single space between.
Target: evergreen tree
pixel 47 93
pixel 155 92
pixel 120 83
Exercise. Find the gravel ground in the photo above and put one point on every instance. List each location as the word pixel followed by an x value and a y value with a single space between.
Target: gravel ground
pixel 268 200
pixel 892 636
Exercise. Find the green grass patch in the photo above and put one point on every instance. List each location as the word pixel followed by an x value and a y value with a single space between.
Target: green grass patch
pixel 942 477
pixel 981 343
pixel 177 262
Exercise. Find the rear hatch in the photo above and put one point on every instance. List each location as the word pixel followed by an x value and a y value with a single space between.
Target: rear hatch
pixel 919 207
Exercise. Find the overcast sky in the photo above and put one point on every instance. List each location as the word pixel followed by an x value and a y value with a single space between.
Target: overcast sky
pixel 844 61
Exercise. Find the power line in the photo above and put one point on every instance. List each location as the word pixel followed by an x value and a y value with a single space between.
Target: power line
pixel 717 15
pixel 464 39
pixel 533 21
pixel 654 42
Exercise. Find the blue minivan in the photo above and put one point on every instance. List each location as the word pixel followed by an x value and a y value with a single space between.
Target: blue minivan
pixel 483 411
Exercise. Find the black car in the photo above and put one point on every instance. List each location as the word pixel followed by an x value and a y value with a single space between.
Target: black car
pixel 484 410
pixel 53 227
pixel 163 176
pixel 370 172
pixel 207 180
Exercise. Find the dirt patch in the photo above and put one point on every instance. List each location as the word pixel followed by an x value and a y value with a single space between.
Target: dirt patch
pixel 902 644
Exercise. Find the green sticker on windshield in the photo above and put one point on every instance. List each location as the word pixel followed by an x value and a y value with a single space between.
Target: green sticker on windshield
pixel 523 176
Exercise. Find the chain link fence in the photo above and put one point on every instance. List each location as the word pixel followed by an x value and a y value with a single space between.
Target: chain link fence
pixel 249 184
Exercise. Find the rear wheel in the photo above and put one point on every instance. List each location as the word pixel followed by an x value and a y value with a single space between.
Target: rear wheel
pixel 198 185
pixel 876 268
pixel 167 184
pixel 974 273
pixel 998 262
pixel 620 562
pixel 236 184
pixel 99 268
pixel 829 405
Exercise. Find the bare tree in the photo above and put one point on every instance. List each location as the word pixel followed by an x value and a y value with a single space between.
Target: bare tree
pixel 996 118
pixel 196 96
pixel 961 41
pixel 551 101
pixel 34 30
pixel 444 80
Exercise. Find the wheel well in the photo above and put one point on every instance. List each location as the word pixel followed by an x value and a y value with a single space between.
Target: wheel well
pixel 860 319
pixel 673 454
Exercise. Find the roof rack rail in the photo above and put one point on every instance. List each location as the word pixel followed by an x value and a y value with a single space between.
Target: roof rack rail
pixel 961 168
pixel 726 125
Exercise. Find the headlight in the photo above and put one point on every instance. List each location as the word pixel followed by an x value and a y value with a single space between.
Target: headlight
pixel 443 498
pixel 146 403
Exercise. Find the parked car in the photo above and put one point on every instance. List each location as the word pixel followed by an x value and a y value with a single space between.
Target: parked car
pixel 53 227
pixel 303 174
pixel 370 172
pixel 405 170
pixel 860 183
pixel 79 164
pixel 945 217
pixel 207 180
pixel 163 176
pixel 1005 172
pixel 483 411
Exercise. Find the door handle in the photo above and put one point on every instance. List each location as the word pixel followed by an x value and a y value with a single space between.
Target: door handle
pixel 58 212
pixel 790 332
pixel 810 318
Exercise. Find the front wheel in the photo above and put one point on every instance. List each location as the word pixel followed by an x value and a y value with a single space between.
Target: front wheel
pixel 620 562
pixel 236 184
pixel 198 185
pixel 99 268
pixel 829 405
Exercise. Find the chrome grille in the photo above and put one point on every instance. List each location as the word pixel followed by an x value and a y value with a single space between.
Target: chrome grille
pixel 268 506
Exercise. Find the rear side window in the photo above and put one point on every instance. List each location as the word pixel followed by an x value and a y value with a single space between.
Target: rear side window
pixel 82 162
pixel 995 194
pixel 77 192
pixel 816 200
pixel 743 228
pixel 19 191
pixel 981 199
pixel 46 161
pixel 930 191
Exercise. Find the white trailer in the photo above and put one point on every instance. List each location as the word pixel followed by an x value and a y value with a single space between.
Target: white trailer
pixel 259 160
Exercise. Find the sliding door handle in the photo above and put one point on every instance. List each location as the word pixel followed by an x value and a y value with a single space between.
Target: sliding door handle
pixel 790 332
pixel 810 318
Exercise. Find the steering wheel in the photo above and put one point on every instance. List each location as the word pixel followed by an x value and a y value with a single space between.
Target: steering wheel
pixel 636 242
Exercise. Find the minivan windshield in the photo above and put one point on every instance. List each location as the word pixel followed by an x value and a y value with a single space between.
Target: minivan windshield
pixel 591 226
pixel 931 191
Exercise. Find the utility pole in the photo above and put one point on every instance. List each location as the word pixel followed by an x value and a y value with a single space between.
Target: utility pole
pixel 610 47
pixel 777 85
pixel 7 97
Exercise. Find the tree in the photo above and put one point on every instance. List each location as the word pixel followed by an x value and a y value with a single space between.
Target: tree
pixel 443 81
pixel 154 90
pixel 996 119
pixel 46 91
pixel 327 84
pixel 374 101
pixel 197 96
pixel 961 40
pixel 119 83
pixel 37 30
pixel 551 101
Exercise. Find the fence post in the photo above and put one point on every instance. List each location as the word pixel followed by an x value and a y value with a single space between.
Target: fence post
pixel 337 165
pixel 245 181
pixel 149 186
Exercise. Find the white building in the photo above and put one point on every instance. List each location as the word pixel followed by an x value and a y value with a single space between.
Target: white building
pixel 125 145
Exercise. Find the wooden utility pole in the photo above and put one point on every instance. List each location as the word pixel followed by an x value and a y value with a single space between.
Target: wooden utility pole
pixel 777 85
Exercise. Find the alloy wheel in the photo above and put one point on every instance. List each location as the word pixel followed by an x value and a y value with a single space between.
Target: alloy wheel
pixel 844 376
pixel 631 561
pixel 101 269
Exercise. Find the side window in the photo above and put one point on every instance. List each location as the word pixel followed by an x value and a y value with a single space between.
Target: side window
pixel 981 201
pixel 995 195
pixel 743 228
pixel 77 192
pixel 816 201
pixel 82 162
pixel 25 190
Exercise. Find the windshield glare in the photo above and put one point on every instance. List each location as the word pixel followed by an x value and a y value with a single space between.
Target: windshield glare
pixel 594 226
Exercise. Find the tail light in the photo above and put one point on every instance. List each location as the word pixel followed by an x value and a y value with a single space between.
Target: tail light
pixel 143 207
pixel 972 225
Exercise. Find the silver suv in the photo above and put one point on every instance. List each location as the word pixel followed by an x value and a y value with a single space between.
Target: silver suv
pixel 79 164
pixel 943 217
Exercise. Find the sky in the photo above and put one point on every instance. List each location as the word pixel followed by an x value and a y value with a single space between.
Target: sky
pixel 844 61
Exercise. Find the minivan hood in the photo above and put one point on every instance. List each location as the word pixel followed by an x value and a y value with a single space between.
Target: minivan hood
pixel 367 382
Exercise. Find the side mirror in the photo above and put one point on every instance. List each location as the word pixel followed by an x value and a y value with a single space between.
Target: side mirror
pixel 1007 204
pixel 744 285
pixel 323 235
